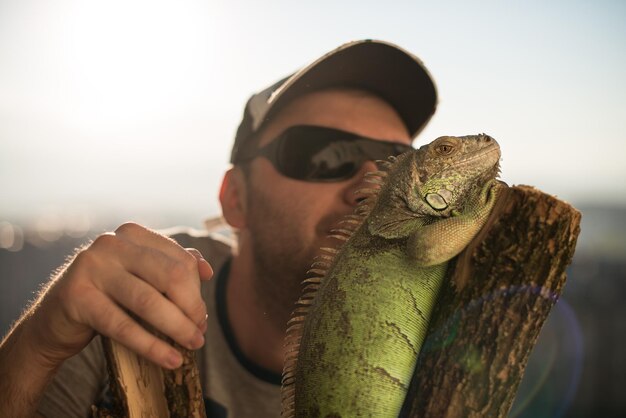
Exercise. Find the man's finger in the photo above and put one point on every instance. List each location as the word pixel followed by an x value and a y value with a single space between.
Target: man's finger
pixel 154 308
pixel 204 268
pixel 114 323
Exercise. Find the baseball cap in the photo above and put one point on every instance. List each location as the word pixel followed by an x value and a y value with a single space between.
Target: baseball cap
pixel 382 68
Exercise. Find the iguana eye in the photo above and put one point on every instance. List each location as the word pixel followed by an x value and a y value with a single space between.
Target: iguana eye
pixel 445 149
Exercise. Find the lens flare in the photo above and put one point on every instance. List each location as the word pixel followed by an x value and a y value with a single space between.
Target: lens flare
pixel 554 368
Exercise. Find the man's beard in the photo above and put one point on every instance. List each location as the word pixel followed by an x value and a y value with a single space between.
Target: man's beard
pixel 282 254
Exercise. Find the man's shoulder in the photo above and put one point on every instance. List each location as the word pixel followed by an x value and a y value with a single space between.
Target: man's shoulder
pixel 216 242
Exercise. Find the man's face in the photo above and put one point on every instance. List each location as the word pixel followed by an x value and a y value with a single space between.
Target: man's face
pixel 289 220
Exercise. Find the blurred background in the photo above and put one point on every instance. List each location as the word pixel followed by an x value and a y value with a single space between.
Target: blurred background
pixel 125 110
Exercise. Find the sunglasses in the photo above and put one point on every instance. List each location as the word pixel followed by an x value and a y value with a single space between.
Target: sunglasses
pixel 320 154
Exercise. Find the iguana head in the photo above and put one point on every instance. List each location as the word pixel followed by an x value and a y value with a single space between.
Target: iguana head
pixel 438 180
pixel 451 172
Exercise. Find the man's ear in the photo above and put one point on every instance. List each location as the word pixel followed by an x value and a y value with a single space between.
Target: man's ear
pixel 233 198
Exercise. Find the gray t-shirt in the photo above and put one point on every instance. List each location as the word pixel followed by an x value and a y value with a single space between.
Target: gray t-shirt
pixel 232 385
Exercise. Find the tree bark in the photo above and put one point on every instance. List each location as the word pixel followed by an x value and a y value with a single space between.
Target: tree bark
pixel 498 296
pixel 142 389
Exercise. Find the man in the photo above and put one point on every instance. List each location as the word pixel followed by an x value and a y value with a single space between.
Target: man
pixel 299 156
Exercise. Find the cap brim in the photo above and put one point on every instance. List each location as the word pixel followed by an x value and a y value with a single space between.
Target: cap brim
pixel 382 68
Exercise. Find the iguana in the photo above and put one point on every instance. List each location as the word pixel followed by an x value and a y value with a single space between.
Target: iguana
pixel 356 331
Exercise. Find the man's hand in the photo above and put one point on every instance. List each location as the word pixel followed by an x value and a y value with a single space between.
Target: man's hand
pixel 133 269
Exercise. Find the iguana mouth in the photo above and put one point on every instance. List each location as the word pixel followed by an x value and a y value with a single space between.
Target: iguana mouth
pixel 482 153
pixel 487 173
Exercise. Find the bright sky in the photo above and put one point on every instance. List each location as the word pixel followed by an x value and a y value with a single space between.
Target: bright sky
pixel 127 109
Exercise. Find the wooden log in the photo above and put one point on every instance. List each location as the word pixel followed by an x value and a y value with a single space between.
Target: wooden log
pixel 489 315
pixel 142 389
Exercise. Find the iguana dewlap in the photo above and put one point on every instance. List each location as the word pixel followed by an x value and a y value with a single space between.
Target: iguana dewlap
pixel 356 332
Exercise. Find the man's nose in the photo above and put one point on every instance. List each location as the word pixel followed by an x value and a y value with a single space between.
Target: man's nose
pixel 354 193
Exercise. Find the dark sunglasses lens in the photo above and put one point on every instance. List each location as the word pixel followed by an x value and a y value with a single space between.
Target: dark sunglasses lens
pixel 322 154
pixel 306 156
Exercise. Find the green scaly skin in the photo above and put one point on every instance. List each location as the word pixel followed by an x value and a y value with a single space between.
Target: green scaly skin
pixel 357 334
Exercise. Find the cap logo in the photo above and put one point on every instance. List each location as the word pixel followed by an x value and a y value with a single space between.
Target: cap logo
pixel 259 104
pixel 258 107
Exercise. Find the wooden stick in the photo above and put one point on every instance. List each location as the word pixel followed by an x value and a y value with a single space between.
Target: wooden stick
pixel 142 389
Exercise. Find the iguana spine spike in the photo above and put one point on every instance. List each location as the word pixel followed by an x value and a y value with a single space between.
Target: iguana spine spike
pixel 367 191
pixel 305 302
pixel 384 163
pixel 374 180
pixel 321 272
pixel 349 221
pixel 300 312
pixel 339 237
pixel 296 321
pixel 323 264
pixel 311 287
pixel 293 352
pixel 341 231
pixel 294 327
pixel 291 347
pixel 363 210
pixel 330 250
pixel 323 257
pixel 290 355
